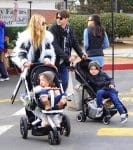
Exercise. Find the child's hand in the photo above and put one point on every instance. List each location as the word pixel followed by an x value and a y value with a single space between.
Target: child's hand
pixel 111 86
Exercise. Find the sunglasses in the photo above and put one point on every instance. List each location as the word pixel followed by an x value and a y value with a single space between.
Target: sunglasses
pixel 59 18
pixel 43 23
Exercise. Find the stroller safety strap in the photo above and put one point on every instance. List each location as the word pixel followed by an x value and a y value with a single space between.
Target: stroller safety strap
pixel 52 98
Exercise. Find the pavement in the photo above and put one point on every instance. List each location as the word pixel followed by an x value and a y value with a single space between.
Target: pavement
pixel 89 135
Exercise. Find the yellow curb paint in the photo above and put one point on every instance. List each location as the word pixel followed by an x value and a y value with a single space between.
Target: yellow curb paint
pixel 7 100
pixel 130 113
pixel 115 132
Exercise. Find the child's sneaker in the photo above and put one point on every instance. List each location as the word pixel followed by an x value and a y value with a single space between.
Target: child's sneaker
pixel 123 118
pixel 99 112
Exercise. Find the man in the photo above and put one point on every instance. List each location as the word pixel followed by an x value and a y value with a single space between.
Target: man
pixel 64 41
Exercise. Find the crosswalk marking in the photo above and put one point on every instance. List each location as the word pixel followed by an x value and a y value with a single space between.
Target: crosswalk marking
pixel 19 112
pixel 115 132
pixel 4 128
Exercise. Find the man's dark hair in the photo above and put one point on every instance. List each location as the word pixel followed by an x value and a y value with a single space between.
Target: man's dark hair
pixel 63 14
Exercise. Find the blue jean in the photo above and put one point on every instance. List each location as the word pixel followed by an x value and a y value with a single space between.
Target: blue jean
pixel 113 95
pixel 58 98
pixel 3 71
pixel 98 59
pixel 64 76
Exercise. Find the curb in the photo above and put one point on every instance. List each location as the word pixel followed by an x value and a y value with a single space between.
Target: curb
pixel 14 71
pixel 118 67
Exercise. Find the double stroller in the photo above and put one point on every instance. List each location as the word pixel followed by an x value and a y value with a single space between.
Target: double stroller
pixel 32 102
pixel 89 106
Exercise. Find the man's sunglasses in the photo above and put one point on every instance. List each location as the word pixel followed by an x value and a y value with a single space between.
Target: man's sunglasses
pixel 59 18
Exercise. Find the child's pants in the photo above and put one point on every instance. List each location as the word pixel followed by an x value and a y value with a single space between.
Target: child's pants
pixel 113 95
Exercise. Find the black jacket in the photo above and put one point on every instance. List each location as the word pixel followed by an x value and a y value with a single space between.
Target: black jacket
pixel 58 43
pixel 95 44
pixel 100 81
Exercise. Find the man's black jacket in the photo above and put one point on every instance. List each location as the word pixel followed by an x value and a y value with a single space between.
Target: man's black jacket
pixel 58 43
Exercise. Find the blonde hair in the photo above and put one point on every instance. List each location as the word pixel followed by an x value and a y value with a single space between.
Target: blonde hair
pixel 37 32
pixel 51 83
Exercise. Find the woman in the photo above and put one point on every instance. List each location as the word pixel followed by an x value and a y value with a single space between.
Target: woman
pixel 34 45
pixel 95 39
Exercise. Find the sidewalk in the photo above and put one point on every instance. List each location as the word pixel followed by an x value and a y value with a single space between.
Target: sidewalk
pixel 123 57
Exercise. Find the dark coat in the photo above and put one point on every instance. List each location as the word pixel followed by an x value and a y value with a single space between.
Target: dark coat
pixel 100 81
pixel 58 43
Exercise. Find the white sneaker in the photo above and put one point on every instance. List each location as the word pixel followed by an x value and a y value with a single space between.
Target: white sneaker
pixel 4 79
pixel 123 118
pixel 99 112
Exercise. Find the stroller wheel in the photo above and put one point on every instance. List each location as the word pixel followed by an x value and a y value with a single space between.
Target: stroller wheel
pixel 24 127
pixel 54 137
pixel 57 137
pixel 106 120
pixel 81 117
pixel 65 126
pixel 51 138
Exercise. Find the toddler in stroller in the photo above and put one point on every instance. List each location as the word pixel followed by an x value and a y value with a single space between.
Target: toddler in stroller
pixel 99 86
pixel 47 102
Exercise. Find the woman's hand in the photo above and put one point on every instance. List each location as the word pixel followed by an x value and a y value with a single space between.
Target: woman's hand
pixel 47 61
pixel 27 64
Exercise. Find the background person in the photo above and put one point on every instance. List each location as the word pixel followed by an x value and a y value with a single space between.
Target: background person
pixel 95 39
pixel 3 71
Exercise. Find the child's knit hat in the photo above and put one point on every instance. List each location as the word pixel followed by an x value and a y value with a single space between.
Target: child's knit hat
pixel 49 74
pixel 94 63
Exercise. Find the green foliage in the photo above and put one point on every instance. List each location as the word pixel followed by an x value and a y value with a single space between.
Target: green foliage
pixel 123 24
pixel 79 23
pixel 12 33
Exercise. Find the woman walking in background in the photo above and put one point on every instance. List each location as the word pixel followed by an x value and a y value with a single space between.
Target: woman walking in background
pixel 95 39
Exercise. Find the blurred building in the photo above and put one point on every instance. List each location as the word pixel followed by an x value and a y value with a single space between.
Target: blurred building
pixel 17 12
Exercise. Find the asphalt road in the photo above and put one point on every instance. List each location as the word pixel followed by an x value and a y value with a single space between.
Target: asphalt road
pixel 89 135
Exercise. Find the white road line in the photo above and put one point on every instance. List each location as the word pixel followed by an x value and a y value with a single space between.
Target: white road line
pixel 4 128
pixel 19 112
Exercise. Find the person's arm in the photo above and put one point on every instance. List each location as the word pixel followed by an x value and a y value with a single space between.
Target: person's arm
pixel 58 50
pixel 86 39
pixel 110 81
pixel 75 43
pixel 105 41
pixel 19 54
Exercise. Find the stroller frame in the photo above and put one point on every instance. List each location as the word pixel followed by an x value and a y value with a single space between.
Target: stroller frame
pixel 108 113
pixel 52 131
